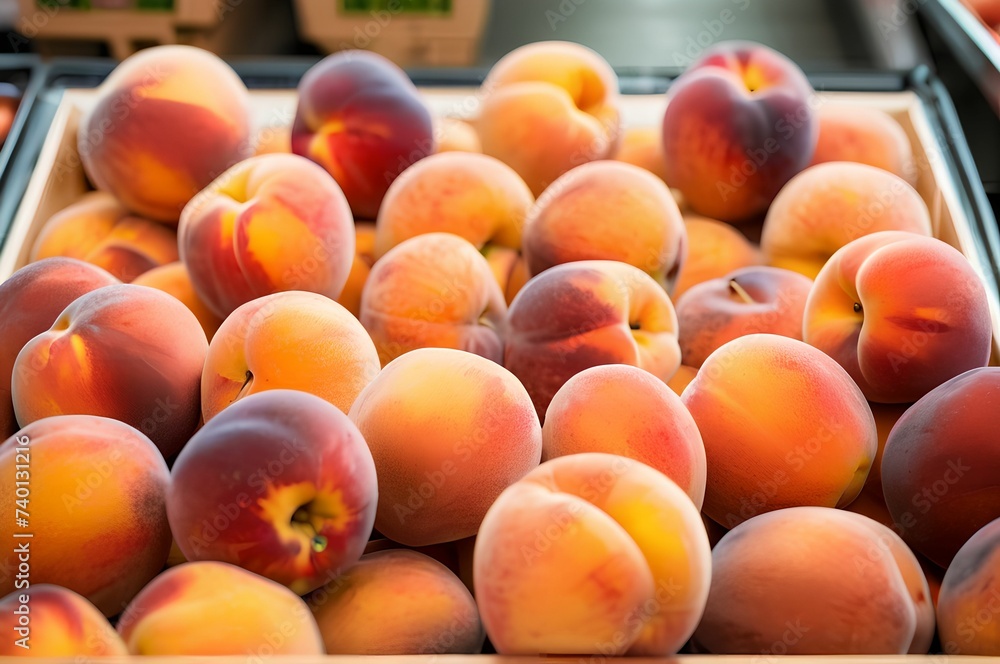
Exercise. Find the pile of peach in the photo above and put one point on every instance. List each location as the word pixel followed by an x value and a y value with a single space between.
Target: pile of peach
pixel 381 382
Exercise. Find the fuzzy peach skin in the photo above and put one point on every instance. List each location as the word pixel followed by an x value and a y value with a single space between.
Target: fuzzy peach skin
pixel 454 135
pixel 865 136
pixel 714 250
pixel 583 314
pixel 127 352
pixel 98 230
pixel 508 269
pixel 829 205
pixel 740 122
pixel 745 301
pixel 271 223
pixel 970 596
pixel 592 553
pixel 886 416
pixel 619 409
pixel 434 290
pixel 643 147
pixel 607 210
pixel 30 301
pixel 471 195
pixel 213 608
pixel 682 378
pixel 397 602
pixel 97 508
pixel 44 620
pixel 361 118
pixel 280 483
pixel 548 107
pixel 939 465
pixel 449 430
pixel 902 313
pixel 168 121
pixel 361 267
pixel 807 581
pixel 173 279
pixel 783 426
pixel 292 340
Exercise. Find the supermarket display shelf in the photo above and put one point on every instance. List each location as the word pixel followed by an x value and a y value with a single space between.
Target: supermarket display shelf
pixel 971 42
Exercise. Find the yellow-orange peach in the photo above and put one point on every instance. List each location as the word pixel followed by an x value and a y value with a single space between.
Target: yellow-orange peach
pixel 970 596
pixel 865 136
pixel 682 378
pixel 449 430
pixel 620 409
pixel 364 258
pixel 44 620
pixel 397 602
pixel 96 505
pixel 783 425
pixel 592 554
pixel 213 608
pixel 454 135
pixel 274 140
pixel 714 250
pixel 434 290
pixel 173 279
pixel 826 206
pixel 167 121
pixel 509 269
pixel 643 147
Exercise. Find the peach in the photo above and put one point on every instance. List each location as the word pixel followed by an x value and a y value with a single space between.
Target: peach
pixel 96 509
pixel 592 553
pixel 508 268
pixel 213 608
pixel 583 314
pixel 808 581
pixel 902 313
pixel 740 122
pixel 43 620
pixel 473 196
pixel 783 425
pixel 454 135
pixel 715 249
pixel 280 483
pixel 397 602
pixel 827 206
pixel 434 290
pixel 682 378
pixel 167 122
pixel 98 230
pixel 361 119
pixel 748 300
pixel 449 430
pixel 886 416
pixel 364 258
pixel 30 301
pixel 272 223
pixel 173 279
pixel 864 136
pixel 939 465
pixel 970 596
pixel 131 353
pixel 607 210
pixel 274 140
pixel 548 107
pixel 620 409
pixel 291 340
pixel 643 147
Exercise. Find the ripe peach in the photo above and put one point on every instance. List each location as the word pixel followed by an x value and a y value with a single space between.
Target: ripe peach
pixel 434 290
pixel 548 107
pixel 783 425
pixel 748 300
pixel 454 135
pixel 127 352
pixel 827 206
pixel 939 465
pixel 364 258
pixel 96 509
pixel 260 347
pixel 30 301
pixel 274 140
pixel 271 223
pixel 592 553
pixel 620 409
pixel 173 279
pixel 361 119
pixel 682 378
pixel 864 136
pixel 902 313
pixel 508 268
pixel 213 608
pixel 98 230
pixel 449 430
pixel 739 123
pixel 397 602
pixel 471 195
pixel 607 210
pixel 643 147
pixel 808 581
pixel 715 249
pixel 167 121
pixel 280 483
pixel 970 596
pixel 582 314
pixel 43 620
